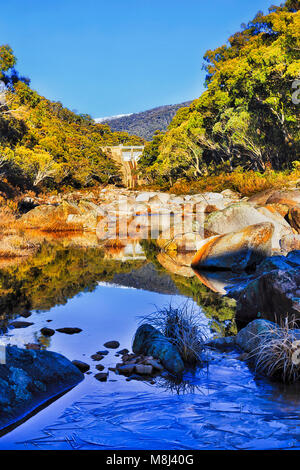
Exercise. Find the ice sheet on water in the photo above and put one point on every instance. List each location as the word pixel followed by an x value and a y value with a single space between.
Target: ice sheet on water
pixel 241 413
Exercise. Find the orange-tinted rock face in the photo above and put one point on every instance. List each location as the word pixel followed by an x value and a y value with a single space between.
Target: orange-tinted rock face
pixel 290 198
pixel 237 250
pixel 290 242
pixel 241 215
pixel 294 218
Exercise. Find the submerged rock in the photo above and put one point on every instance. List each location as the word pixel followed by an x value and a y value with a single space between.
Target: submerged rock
pixel 149 341
pixel 235 251
pixel 31 377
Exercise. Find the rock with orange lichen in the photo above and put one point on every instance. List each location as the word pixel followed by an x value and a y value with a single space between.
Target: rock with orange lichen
pixel 235 251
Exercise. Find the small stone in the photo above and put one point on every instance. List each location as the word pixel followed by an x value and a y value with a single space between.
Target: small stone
pixel 135 377
pixel 123 352
pixel 47 331
pixel 111 344
pixel 97 357
pixel 99 367
pixel 82 366
pixel 25 314
pixel 112 369
pixel 20 324
pixel 143 369
pixel 69 331
pixel 155 364
pixel 126 369
pixel 103 353
pixel 102 376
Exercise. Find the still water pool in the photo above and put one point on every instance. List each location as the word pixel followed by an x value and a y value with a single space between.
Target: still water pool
pixel 221 405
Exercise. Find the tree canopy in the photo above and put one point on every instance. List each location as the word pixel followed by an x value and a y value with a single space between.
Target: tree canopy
pixel 246 117
pixel 44 144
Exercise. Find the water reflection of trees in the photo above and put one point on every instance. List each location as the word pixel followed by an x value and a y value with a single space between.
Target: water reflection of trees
pixel 220 309
pixel 54 275
pixel 60 270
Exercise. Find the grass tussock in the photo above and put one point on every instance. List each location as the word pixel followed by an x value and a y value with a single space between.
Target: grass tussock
pixel 183 327
pixel 278 354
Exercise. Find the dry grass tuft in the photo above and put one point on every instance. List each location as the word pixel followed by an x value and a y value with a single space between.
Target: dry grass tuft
pixel 182 326
pixel 278 354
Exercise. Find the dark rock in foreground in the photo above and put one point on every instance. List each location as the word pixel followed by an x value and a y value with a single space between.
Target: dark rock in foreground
pixel 273 296
pixel 151 342
pixel 29 378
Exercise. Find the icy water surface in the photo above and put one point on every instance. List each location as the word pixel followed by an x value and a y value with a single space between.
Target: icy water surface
pixel 219 406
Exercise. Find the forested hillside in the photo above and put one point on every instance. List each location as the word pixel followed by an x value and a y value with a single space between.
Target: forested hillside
pixel 144 124
pixel 43 144
pixel 248 117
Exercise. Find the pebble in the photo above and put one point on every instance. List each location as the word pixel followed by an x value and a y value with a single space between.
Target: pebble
pixel 155 364
pixel 99 367
pixel 102 376
pixel 111 344
pixel 122 352
pixel 47 331
pixel 143 369
pixel 69 331
pixel 126 369
pixel 97 357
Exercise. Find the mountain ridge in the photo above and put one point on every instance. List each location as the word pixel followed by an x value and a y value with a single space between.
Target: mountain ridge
pixel 145 123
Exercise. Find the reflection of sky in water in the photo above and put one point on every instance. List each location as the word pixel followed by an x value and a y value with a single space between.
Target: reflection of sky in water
pixel 226 409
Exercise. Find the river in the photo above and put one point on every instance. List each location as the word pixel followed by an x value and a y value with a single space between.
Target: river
pixel 106 292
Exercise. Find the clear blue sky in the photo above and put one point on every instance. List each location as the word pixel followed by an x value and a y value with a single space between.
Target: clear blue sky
pixel 106 57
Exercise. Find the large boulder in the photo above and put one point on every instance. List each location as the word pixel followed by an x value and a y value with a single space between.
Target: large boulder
pixel 274 295
pixel 28 378
pixel 235 251
pixel 237 216
pixel 150 342
pixel 261 197
pixel 288 197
